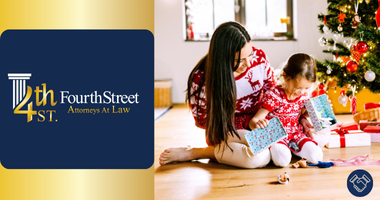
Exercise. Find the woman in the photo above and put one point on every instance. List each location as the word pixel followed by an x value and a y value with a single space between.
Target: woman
pixel 238 74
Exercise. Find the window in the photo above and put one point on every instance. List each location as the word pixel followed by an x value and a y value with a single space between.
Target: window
pixel 263 19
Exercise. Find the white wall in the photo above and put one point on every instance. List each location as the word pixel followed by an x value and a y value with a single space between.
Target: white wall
pixel 175 58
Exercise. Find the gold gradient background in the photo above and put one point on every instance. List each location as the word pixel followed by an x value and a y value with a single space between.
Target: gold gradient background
pixel 77 184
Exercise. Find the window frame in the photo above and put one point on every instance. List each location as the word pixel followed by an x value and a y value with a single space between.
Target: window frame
pixel 241 18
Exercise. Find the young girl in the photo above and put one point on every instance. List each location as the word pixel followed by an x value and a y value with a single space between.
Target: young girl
pixel 286 101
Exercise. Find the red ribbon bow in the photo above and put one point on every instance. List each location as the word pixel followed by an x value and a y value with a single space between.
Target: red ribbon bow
pixel 342 132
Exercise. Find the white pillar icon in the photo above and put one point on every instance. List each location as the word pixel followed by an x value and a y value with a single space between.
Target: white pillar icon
pixel 19 86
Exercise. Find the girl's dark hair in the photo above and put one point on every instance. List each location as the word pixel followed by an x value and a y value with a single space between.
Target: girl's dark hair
pixel 300 65
pixel 218 67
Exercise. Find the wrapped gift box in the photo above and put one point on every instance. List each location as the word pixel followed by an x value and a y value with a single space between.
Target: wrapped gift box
pixel 374 132
pixel 351 139
pixel 260 139
pixel 318 108
pixel 365 123
pixel 348 126
pixel 372 129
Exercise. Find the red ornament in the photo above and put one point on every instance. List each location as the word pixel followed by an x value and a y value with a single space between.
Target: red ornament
pixel 378 16
pixel 353 105
pixel 351 66
pixel 362 47
pixel 314 93
pixel 321 86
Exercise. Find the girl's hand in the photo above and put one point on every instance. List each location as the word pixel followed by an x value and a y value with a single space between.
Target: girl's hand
pixel 258 123
pixel 329 101
pixel 306 127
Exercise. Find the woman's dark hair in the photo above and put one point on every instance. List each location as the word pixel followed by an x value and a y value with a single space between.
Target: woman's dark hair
pixel 300 65
pixel 218 67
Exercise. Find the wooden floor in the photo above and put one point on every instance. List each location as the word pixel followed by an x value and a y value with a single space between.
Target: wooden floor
pixel 204 179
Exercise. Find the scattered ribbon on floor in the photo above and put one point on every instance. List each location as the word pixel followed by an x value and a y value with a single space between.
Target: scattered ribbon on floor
pixel 355 161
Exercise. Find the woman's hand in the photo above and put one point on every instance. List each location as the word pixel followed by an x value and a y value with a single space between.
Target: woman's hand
pixel 258 123
pixel 306 127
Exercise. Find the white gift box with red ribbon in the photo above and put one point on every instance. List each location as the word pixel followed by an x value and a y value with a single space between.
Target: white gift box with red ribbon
pixel 354 138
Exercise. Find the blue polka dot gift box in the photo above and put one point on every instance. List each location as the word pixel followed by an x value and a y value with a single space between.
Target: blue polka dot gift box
pixel 260 139
pixel 320 112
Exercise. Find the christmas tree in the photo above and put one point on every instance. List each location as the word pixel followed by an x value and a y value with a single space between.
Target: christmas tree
pixel 355 49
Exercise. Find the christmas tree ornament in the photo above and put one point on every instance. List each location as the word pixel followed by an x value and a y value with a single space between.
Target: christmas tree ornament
pixel 321 86
pixel 343 59
pixel 342 99
pixel 322 41
pixel 351 66
pixel 321 89
pixel 370 75
pixel 353 101
pixel 325 29
pixel 356 19
pixel 378 16
pixel 328 71
pixel 341 17
pixel 361 47
pixel 355 54
pixel 353 104
pixel 314 93
pixel 367 1
pixel 340 28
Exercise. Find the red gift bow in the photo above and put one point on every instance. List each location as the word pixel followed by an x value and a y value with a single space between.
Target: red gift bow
pixel 371 105
pixel 350 126
pixel 342 132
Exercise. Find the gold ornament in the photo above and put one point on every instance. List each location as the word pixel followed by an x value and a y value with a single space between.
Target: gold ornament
pixel 368 1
